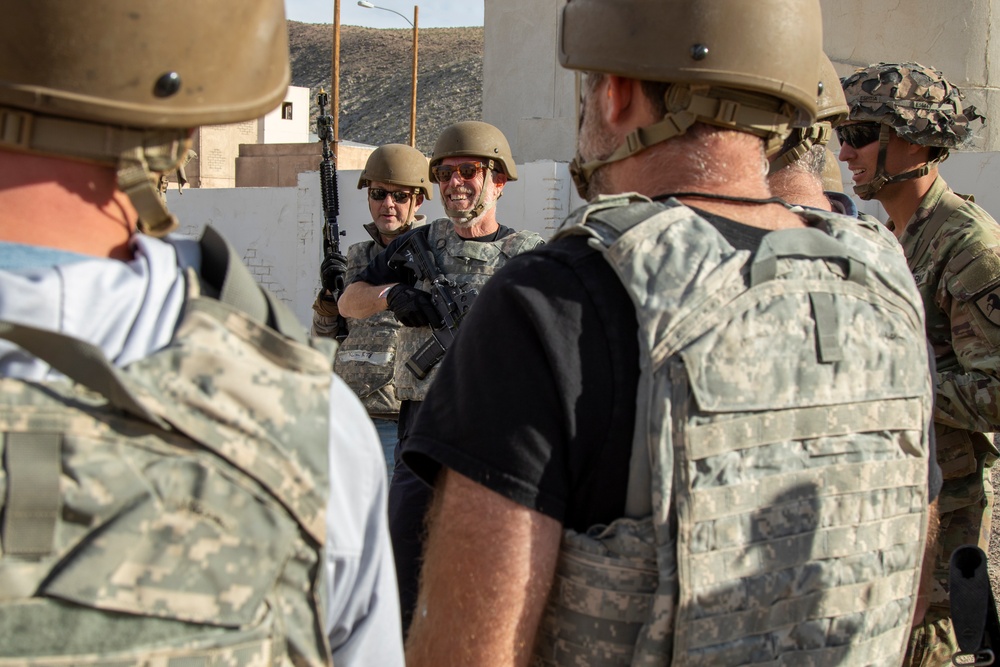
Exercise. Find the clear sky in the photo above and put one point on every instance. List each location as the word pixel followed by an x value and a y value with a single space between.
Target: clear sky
pixel 431 13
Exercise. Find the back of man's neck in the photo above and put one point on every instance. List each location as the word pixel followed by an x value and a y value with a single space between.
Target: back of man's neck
pixel 64 204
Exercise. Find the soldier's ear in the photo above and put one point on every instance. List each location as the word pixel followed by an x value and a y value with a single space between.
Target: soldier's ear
pixel 418 200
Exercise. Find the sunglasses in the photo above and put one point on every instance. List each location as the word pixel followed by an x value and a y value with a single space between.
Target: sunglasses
pixel 379 194
pixel 859 134
pixel 467 170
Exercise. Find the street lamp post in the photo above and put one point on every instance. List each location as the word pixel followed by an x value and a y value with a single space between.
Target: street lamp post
pixel 413 88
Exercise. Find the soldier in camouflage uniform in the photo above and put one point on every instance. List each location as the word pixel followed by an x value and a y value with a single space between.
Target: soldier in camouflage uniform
pixel 397 180
pixel 184 480
pixel 471 164
pixel 708 440
pixel 904 118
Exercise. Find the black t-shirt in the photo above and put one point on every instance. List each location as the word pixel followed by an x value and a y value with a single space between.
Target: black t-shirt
pixel 536 398
pixel 378 271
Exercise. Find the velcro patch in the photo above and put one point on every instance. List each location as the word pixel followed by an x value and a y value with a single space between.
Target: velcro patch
pixel 989 305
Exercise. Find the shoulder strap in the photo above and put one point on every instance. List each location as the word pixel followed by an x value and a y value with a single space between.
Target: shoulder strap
pixel 224 271
pixel 950 202
pixel 81 362
pixel 612 222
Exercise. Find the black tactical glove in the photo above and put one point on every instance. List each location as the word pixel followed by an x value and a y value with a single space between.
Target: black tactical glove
pixel 332 273
pixel 412 307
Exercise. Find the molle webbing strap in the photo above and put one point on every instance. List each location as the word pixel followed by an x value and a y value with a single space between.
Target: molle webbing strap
pixel 33 465
pixel 223 270
pixel 81 362
pixel 813 244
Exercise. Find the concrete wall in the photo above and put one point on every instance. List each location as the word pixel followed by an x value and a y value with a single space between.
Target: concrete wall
pixel 278 231
pixel 954 37
pixel 525 91
pixel 532 99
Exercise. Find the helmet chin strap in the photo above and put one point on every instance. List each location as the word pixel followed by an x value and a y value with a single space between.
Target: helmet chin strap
pixel 480 207
pixel 687 105
pixel 405 227
pixel 868 190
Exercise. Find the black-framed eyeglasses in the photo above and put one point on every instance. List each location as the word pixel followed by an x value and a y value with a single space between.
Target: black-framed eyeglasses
pixel 859 134
pixel 467 170
pixel 379 194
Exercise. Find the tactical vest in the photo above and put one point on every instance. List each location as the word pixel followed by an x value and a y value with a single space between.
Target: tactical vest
pixel 366 359
pixel 470 264
pixel 172 511
pixel 777 496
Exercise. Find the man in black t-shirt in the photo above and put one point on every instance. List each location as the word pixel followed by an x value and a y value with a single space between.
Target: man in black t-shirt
pixel 471 165
pixel 528 434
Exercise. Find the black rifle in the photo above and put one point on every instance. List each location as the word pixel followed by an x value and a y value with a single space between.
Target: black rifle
pixel 450 301
pixel 328 191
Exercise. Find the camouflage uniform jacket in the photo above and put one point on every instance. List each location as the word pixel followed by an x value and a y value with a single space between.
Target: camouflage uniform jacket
pixel 957 270
pixel 366 359
pixel 193 498
pixel 470 264
pixel 777 498
pixel 958 276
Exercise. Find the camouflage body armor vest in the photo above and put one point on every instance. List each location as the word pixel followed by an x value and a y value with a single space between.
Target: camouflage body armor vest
pixel 367 357
pixel 171 512
pixel 777 498
pixel 470 264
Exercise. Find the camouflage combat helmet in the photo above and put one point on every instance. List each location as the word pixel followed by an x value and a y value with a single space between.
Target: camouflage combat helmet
pixel 831 110
pixel 918 104
pixel 123 82
pixel 397 164
pixel 749 66
pixel 475 139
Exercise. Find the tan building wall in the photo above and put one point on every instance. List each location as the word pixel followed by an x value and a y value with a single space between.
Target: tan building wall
pixel 279 165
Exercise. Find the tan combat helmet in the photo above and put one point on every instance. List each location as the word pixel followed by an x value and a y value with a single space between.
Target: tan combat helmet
pixel 397 164
pixel 124 82
pixel 831 111
pixel 475 139
pixel 918 104
pixel 749 66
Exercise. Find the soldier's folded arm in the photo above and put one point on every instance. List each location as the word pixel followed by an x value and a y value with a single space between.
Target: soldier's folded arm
pixel 362 299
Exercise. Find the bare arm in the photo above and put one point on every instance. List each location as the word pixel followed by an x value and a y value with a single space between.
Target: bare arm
pixel 361 300
pixel 488 567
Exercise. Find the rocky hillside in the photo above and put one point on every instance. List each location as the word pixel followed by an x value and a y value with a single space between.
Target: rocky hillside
pixel 375 77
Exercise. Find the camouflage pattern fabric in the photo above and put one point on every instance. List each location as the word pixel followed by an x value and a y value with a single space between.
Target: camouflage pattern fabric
pixel 781 445
pixel 915 100
pixel 366 359
pixel 956 266
pixel 192 535
pixel 470 264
